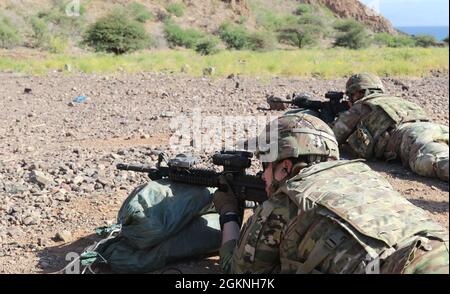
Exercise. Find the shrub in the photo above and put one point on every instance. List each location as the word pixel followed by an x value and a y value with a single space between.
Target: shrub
pixel 235 37
pixel 9 36
pixel 425 41
pixel 61 23
pixel 272 21
pixel 261 41
pixel 310 20
pixel 176 9
pixel 40 32
pixel 176 36
pixel 300 36
pixel 116 33
pixel 385 39
pixel 446 40
pixel 139 12
pixel 207 46
pixel 303 9
pixel 352 35
pixel 57 44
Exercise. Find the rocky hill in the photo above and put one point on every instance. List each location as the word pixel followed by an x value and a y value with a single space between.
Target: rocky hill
pixel 357 10
pixel 208 14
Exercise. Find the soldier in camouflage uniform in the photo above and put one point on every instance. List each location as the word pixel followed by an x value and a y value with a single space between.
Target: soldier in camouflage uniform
pixel 387 127
pixel 326 215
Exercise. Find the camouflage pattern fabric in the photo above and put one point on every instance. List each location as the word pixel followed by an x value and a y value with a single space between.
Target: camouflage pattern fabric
pixel 299 134
pixel 338 217
pixel 363 81
pixel 385 127
pixel 422 146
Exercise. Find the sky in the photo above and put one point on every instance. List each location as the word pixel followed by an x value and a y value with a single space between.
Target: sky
pixel 412 12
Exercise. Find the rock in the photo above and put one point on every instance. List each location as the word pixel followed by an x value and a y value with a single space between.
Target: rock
pixel 15 188
pixel 209 71
pixel 114 156
pixel 64 236
pixel 102 181
pixel 78 180
pixel 89 172
pixel 14 232
pixel 40 178
pixel 31 220
pixel 185 68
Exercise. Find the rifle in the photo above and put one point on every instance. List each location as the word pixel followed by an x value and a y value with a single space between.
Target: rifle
pixel 180 169
pixel 325 110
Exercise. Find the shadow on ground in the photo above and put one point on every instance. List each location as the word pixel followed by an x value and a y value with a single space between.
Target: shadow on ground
pixel 430 205
pixel 53 260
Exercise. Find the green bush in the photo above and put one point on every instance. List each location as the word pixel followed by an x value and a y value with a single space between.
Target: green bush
pixel 273 21
pixel 57 44
pixel 176 9
pixel 176 36
pixel 425 41
pixel 303 9
pixel 116 33
pixel 235 37
pixel 300 36
pixel 207 46
pixel 61 23
pixel 40 32
pixel 262 41
pixel 310 20
pixel 388 40
pixel 446 40
pixel 352 34
pixel 139 12
pixel 9 36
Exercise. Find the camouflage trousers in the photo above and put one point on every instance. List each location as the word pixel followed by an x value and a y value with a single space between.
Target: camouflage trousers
pixel 421 146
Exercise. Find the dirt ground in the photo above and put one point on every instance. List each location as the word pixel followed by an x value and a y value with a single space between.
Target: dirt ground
pixel 57 157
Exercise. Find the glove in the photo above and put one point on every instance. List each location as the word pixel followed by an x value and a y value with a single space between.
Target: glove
pixel 225 202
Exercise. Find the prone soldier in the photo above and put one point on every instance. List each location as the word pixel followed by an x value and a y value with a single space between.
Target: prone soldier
pixel 325 215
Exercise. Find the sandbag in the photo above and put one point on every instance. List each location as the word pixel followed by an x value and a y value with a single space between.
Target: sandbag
pixel 162 222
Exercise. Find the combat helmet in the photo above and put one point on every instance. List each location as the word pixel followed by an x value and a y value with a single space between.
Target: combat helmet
pixel 364 81
pixel 299 135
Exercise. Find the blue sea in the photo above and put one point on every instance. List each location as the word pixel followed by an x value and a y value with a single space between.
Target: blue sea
pixel 440 33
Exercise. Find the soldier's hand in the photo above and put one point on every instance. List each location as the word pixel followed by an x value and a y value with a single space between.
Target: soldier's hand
pixel 225 202
pixel 275 104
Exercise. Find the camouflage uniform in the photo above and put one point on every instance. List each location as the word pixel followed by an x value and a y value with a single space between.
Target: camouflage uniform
pixel 336 217
pixel 386 127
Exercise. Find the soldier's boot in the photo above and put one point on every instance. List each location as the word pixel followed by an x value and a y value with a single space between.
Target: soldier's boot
pixel 431 160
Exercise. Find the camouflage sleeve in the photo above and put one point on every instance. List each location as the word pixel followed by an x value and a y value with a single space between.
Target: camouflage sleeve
pixel 347 121
pixel 257 250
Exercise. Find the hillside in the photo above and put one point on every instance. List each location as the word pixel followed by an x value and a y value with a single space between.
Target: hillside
pixel 208 14
pixel 202 15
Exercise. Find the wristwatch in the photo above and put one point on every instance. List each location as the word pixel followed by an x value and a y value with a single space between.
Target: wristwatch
pixel 230 217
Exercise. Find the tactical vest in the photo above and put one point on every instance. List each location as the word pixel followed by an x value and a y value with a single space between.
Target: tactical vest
pixel 350 219
pixel 387 112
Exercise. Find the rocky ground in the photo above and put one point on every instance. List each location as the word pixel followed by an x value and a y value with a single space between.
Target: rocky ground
pixel 58 180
